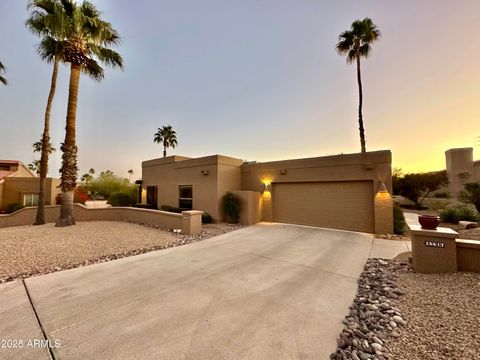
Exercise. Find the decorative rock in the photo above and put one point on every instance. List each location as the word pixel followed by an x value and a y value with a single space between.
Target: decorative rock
pixel 372 318
pixel 399 320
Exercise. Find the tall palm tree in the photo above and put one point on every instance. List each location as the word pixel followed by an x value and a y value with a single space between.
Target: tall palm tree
pixel 47 20
pixel 87 42
pixel 355 43
pixel 2 71
pixel 166 136
pixel 130 173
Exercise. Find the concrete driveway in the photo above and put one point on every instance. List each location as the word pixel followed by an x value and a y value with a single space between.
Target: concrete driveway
pixel 269 291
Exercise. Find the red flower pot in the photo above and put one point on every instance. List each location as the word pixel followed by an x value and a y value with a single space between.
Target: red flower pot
pixel 429 222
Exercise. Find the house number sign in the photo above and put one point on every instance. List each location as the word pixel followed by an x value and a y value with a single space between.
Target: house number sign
pixel 436 244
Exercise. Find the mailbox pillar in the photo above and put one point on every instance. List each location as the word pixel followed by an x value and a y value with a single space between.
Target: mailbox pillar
pixel 433 251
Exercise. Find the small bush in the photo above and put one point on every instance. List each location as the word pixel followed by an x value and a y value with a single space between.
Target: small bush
pixel 231 207
pixel 398 220
pixel 450 215
pixel 467 214
pixel 460 213
pixel 441 195
pixel 121 199
pixel 12 207
pixel 206 218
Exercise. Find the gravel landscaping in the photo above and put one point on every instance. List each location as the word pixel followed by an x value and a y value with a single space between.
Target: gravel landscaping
pixel 400 315
pixel 33 250
pixel 443 313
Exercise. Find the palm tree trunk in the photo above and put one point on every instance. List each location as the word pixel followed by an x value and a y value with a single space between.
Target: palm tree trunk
pixel 69 148
pixel 360 103
pixel 164 150
pixel 40 218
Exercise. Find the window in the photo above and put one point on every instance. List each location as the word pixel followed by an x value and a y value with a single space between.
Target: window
pixel 185 198
pixel 30 199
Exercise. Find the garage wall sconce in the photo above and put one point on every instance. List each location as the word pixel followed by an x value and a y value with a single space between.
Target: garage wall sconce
pixel 266 187
pixel 382 188
pixel 283 172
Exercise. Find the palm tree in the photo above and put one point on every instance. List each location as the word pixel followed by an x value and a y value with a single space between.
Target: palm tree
pixel 47 21
pixel 35 166
pixel 167 136
pixel 130 173
pixel 86 178
pixel 86 43
pixel 2 71
pixel 355 43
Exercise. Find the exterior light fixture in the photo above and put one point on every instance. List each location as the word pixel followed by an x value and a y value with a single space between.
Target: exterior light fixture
pixel 382 188
pixel 267 187
pixel 283 172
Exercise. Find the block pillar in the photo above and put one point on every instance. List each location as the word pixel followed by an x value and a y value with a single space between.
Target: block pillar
pixel 191 222
pixel 433 251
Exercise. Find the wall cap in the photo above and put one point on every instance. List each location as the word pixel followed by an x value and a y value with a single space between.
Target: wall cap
pixel 439 232
pixel 192 212
pixel 472 244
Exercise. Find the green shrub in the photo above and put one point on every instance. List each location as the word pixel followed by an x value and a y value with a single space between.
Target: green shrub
pixel 398 220
pixel 122 199
pixel 467 214
pixel 441 195
pixel 206 218
pixel 231 207
pixel 459 213
pixel 12 207
pixel 450 215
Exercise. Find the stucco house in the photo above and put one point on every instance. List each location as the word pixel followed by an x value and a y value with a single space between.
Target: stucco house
pixel 20 185
pixel 348 191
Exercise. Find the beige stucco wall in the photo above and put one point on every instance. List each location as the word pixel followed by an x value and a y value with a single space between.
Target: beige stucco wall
pixel 372 166
pixel 15 187
pixel 209 176
pixel 212 176
pixel 250 207
pixel 189 222
pixel 468 255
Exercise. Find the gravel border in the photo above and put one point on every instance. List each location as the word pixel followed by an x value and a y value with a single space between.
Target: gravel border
pixel 373 319
pixel 209 230
pixel 443 312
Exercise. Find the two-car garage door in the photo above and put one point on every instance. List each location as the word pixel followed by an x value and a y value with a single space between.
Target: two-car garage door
pixel 344 205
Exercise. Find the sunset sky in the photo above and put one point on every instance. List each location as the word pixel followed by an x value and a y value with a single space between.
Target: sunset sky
pixel 255 79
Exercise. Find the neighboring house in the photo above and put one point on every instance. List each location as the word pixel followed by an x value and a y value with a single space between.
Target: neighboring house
pixel 461 168
pixel 20 185
pixel 340 191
